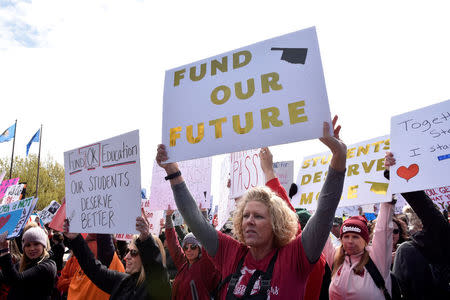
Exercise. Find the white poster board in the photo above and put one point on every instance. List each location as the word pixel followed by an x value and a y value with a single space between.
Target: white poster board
pixel 440 196
pixel 225 203
pixel 284 170
pixel 421 147
pixel 13 193
pixel 47 214
pixel 364 180
pixel 197 175
pixel 103 185
pixel 245 172
pixel 272 92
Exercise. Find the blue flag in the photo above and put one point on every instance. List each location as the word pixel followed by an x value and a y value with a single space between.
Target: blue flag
pixel 8 134
pixel 35 138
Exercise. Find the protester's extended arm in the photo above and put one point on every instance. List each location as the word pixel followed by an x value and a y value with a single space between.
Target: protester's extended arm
pixel 382 239
pixel 173 245
pixel 105 249
pixel 266 160
pixel 318 227
pixel 187 206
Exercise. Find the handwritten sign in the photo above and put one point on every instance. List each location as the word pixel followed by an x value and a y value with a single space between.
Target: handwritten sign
pixel 364 181
pixel 421 147
pixel 225 203
pixel 103 185
pixel 13 216
pixel 272 92
pixel 47 214
pixel 13 193
pixel 440 196
pixel 197 175
pixel 284 170
pixel 245 172
pixel 7 183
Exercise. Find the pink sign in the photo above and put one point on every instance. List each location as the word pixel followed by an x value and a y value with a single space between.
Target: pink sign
pixel 7 183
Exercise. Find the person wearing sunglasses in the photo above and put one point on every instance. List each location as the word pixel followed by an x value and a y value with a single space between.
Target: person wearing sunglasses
pixel 197 276
pixel 145 275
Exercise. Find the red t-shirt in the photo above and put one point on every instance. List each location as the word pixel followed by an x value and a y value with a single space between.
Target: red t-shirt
pixel 290 272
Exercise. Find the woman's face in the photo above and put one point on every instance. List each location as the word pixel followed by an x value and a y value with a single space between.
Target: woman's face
pixel 133 260
pixel 395 234
pixel 33 250
pixel 192 252
pixel 353 243
pixel 257 225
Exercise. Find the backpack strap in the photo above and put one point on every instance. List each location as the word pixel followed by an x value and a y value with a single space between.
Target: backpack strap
pixel 265 278
pixel 377 278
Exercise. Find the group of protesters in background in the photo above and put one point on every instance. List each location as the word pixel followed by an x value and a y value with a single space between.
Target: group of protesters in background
pixel 271 251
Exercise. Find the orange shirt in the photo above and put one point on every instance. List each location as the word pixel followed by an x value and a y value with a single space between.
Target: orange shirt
pixel 81 287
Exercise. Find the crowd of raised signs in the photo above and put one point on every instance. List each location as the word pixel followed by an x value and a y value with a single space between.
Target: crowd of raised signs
pixel 268 250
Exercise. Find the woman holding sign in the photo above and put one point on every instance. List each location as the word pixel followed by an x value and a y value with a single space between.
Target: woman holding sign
pixel 196 277
pixel 268 259
pixel 35 276
pixel 145 275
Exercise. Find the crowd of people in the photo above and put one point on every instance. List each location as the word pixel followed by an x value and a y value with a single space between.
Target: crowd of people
pixel 272 251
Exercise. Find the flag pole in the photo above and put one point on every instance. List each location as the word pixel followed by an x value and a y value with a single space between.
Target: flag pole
pixel 39 161
pixel 12 155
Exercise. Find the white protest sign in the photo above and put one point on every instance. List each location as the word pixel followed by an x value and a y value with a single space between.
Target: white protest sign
pixel 421 147
pixel 364 180
pixel 197 175
pixel 272 92
pixel 284 170
pixel 225 203
pixel 245 172
pixel 103 185
pixel 47 214
pixel 440 196
pixel 13 193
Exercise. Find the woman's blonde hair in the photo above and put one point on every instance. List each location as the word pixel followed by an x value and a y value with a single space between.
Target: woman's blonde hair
pixel 25 262
pixel 339 258
pixel 158 242
pixel 284 221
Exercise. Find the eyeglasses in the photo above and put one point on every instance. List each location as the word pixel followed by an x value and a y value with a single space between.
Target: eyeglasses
pixel 396 231
pixel 192 247
pixel 132 252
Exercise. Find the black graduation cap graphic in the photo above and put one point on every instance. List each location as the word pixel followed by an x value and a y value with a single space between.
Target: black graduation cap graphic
pixel 293 55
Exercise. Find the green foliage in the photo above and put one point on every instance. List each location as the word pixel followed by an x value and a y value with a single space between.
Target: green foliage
pixel 51 177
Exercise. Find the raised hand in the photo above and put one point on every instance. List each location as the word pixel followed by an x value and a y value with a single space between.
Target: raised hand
pixel 389 160
pixel 169 211
pixel 161 157
pixel 66 229
pixel 334 143
pixel 143 226
pixel 266 160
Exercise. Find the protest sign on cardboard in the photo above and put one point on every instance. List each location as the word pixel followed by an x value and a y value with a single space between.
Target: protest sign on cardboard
pixel 245 172
pixel 364 180
pixel 5 184
pixel 272 92
pixel 103 185
pixel 196 174
pixel 13 193
pixel 421 147
pixel 47 214
pixel 14 216
pixel 284 171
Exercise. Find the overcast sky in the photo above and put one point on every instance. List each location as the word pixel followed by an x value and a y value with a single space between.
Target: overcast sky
pixel 90 69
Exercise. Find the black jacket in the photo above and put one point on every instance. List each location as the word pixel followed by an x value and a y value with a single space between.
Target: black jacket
pixel 122 285
pixel 422 265
pixel 36 282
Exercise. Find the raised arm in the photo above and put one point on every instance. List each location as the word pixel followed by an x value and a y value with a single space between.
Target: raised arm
pixel 316 232
pixel 173 245
pixel 105 248
pixel 187 206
